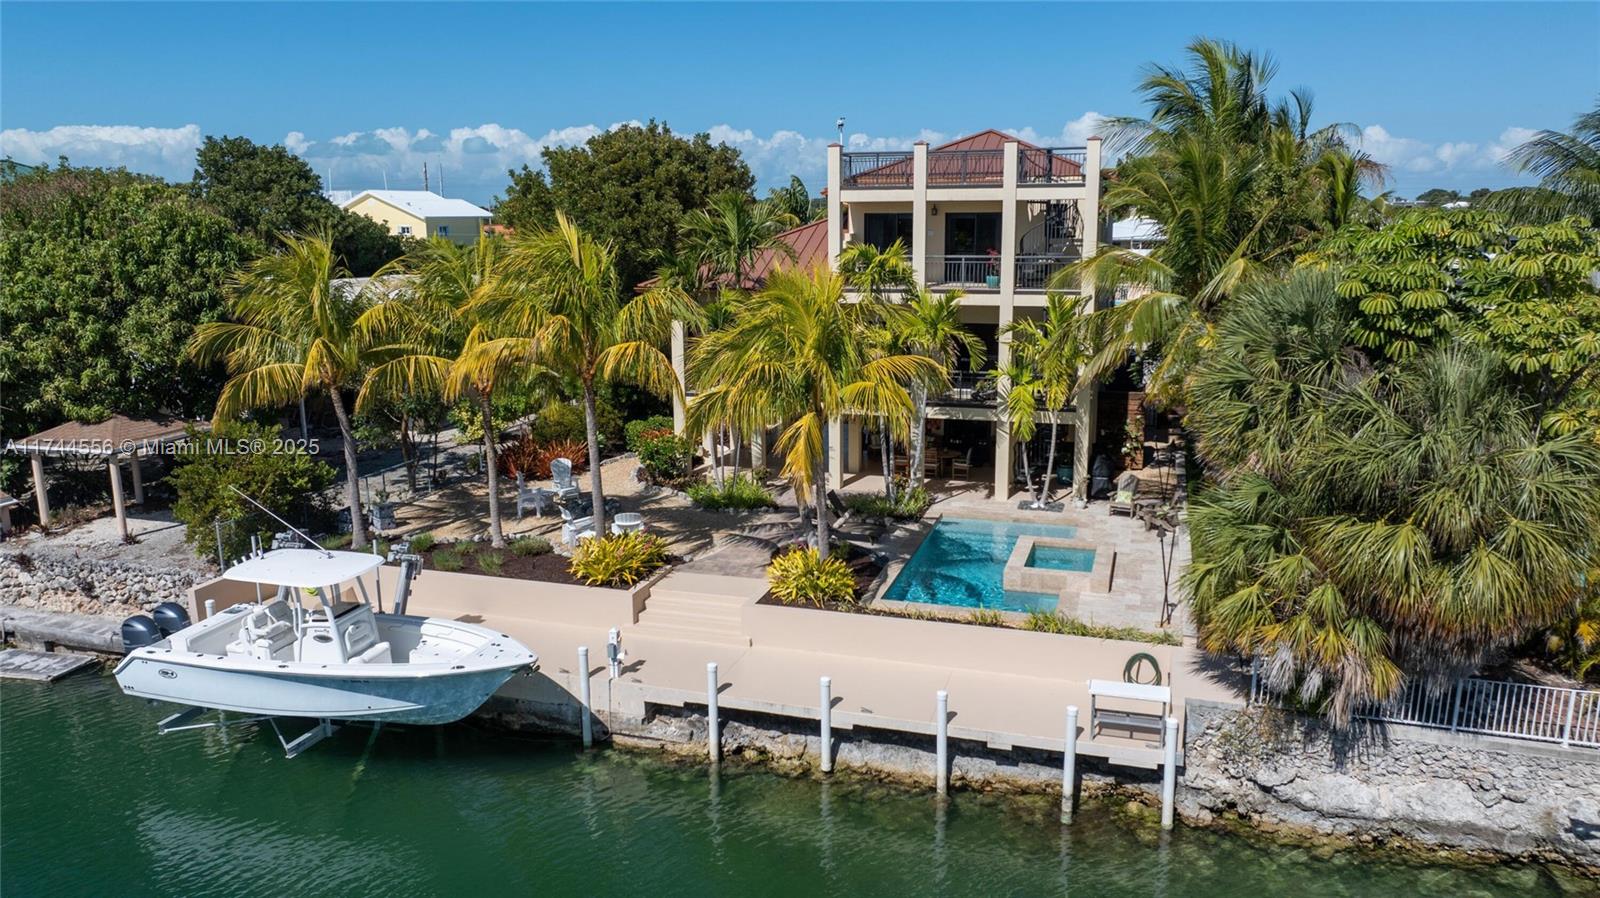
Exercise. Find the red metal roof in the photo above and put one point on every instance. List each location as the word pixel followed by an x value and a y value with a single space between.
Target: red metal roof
pixel 809 243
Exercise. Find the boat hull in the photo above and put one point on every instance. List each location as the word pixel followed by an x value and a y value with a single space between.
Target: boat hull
pixel 440 698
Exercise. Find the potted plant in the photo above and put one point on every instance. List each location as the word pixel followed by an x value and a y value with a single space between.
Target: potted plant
pixel 1133 444
pixel 992 278
pixel 382 512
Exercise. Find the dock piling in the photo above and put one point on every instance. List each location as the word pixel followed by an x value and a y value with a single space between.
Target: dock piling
pixel 827 724
pixel 583 696
pixel 713 731
pixel 942 775
pixel 1169 773
pixel 1069 765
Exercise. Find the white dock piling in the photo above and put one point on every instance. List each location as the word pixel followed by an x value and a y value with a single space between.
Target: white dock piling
pixel 941 778
pixel 1069 765
pixel 211 608
pixel 583 696
pixel 1169 773
pixel 713 731
pixel 826 715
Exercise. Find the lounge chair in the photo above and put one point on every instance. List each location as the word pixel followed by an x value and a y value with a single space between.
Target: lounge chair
pixel 1122 501
pixel 539 499
pixel 836 505
pixel 574 527
pixel 561 474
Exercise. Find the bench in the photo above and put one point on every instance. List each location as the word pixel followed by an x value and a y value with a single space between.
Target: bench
pixel 1123 719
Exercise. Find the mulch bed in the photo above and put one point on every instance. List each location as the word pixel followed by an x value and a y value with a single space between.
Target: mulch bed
pixel 547 568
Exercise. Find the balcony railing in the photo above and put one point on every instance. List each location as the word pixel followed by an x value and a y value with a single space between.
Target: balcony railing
pixel 1034 272
pixel 964 168
pixel 963 271
pixel 877 170
pixel 968 388
pixel 1051 165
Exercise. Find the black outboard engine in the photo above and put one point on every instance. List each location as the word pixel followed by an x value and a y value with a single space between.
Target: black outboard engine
pixel 170 617
pixel 139 631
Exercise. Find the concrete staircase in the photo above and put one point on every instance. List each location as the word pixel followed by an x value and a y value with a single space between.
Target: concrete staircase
pixel 698 607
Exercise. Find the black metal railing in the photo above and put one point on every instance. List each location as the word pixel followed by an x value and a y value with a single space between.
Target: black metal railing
pixel 969 387
pixel 877 170
pixel 960 168
pixel 1051 165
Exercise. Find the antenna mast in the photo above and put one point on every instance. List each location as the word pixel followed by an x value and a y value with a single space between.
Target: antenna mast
pixel 296 530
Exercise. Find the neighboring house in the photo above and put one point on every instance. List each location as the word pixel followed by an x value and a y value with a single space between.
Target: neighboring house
pixel 991 216
pixel 1138 234
pixel 421 214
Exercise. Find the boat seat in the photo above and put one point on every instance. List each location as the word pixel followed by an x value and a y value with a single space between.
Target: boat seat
pixel 377 654
pixel 264 636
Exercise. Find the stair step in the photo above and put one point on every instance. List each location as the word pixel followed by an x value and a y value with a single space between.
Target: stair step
pixel 688 634
pixel 712 585
pixel 678 596
pixel 682 619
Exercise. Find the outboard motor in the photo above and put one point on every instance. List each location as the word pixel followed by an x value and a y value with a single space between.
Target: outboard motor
pixel 139 631
pixel 170 617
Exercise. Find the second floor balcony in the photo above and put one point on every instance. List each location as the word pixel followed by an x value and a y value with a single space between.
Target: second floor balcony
pixel 1034 271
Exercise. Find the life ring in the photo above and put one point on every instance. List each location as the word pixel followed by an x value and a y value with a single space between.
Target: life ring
pixel 1130 670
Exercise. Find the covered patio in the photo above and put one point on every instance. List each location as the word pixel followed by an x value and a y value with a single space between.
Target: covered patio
pixel 118 441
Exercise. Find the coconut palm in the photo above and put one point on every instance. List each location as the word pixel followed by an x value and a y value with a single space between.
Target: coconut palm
pixel 728 234
pixel 877 274
pixel 1019 385
pixel 793 201
pixel 1568 166
pixel 1372 526
pixel 1054 348
pixel 292 332
pixel 426 340
pixel 930 324
pixel 795 352
pixel 556 302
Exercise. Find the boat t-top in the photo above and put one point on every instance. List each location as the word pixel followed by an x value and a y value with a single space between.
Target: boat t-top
pixel 312 645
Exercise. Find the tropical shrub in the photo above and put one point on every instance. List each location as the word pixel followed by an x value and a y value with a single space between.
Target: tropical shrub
pixel 530 546
pixel 1056 622
pixel 491 560
pixel 531 458
pixel 558 422
pixel 422 542
pixel 637 430
pixel 619 560
pixel 909 504
pixel 664 456
pixel 741 492
pixel 290 482
pixel 802 577
pixel 448 558
pixel 1367 525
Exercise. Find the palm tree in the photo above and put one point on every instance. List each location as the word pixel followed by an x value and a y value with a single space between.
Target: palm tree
pixel 1019 385
pixel 727 235
pixel 877 274
pixel 292 333
pixel 427 341
pixel 1568 166
pixel 1236 183
pixel 1372 525
pixel 1053 348
pixel 930 324
pixel 796 352
pixel 793 202
pixel 556 301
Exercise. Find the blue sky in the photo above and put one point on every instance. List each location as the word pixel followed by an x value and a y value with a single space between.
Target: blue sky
pixel 368 90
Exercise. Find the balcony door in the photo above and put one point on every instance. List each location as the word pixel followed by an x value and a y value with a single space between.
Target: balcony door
pixel 971 233
pixel 884 228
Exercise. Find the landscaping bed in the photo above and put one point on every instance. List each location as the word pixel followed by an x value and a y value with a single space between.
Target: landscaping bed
pixel 545 566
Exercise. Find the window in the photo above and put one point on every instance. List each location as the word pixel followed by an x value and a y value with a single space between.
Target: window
pixel 971 233
pixel 884 228
pixel 405 230
pixel 444 230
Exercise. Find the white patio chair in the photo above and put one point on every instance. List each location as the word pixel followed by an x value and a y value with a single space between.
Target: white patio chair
pixel 561 474
pixel 628 522
pixel 575 528
pixel 539 499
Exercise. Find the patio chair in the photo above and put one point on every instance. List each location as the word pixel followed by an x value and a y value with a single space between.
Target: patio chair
pixel 930 466
pixel 836 504
pixel 539 499
pixel 574 527
pixel 561 474
pixel 961 468
pixel 1122 502
pixel 628 522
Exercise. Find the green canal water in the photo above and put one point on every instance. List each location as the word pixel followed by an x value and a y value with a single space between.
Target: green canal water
pixel 93 802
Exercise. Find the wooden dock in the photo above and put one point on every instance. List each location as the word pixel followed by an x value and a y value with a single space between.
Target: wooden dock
pixel 41 667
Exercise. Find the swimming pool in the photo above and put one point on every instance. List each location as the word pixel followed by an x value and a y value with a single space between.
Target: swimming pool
pixel 962 562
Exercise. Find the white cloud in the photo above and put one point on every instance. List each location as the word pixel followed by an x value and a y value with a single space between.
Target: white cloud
pixel 168 152
pixel 474 158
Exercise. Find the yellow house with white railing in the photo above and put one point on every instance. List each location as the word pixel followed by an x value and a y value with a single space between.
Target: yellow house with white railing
pixel 421 214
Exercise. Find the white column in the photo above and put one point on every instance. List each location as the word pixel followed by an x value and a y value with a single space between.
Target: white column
pixel 1008 225
pixel 825 715
pixel 835 454
pixel 117 503
pixel 138 478
pixel 852 457
pixel 1091 203
pixel 41 489
pixel 585 725
pixel 835 207
pixel 679 367
pixel 1169 773
pixel 919 210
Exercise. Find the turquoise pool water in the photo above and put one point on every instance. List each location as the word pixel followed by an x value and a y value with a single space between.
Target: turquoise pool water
pixel 1061 558
pixel 963 561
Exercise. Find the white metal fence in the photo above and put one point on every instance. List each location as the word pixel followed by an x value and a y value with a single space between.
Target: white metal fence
pixel 1490 707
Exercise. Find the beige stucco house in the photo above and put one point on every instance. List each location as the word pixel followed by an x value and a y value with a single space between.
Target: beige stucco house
pixel 421 214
